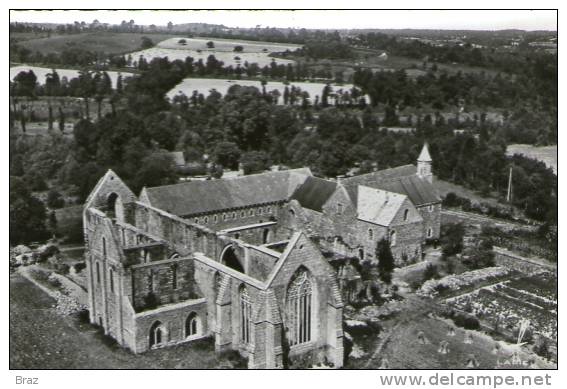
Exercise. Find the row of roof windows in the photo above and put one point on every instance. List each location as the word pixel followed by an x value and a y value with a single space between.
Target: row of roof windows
pixel 234 215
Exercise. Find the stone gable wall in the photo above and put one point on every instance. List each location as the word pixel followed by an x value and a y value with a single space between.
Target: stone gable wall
pixel 431 219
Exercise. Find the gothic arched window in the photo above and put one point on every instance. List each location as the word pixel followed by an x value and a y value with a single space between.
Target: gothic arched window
pixel 111 279
pixel 97 272
pixel 157 334
pixel 245 315
pixel 299 307
pixel 217 285
pixel 406 213
pixel 192 325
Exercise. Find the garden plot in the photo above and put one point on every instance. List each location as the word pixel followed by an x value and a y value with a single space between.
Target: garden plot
pixel 41 73
pixel 205 85
pixel 505 305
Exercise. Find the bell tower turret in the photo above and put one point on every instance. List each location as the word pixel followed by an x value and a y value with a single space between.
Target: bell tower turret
pixel 424 164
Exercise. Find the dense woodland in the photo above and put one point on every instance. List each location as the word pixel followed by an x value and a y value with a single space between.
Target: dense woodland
pixel 332 134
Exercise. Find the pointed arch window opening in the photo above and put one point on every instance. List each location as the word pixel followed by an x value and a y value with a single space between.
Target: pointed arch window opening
pixel 245 315
pixel 299 309
pixel 192 325
pixel 157 334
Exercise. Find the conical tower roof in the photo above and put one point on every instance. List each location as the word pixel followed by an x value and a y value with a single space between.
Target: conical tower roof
pixel 424 155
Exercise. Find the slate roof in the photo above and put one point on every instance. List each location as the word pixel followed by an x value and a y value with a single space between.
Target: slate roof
pixel 215 195
pixel 402 180
pixel 314 193
pixel 378 206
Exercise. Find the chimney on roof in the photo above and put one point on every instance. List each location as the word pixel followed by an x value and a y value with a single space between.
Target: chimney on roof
pixel 424 164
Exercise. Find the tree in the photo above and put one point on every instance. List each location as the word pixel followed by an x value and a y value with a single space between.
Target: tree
pixel 210 44
pixel 86 88
pixel 385 260
pixel 52 88
pixel 54 199
pixel 452 239
pixel 238 49
pixel 254 162
pixel 27 214
pixel 146 43
pixel 157 169
pixel 24 85
pixel 61 120
pixel 102 88
pixel 227 154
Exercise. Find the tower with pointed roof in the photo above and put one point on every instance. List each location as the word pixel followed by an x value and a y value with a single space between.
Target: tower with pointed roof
pixel 424 164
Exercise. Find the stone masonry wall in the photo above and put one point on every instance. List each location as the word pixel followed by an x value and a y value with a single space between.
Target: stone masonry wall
pixel 173 320
pixel 157 278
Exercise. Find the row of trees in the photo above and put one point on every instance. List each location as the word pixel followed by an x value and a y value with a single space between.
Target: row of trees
pixel 245 126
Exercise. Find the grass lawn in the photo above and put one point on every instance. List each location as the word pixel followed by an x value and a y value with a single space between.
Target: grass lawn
pixel 107 42
pixel 404 351
pixel 42 339
pixel 444 187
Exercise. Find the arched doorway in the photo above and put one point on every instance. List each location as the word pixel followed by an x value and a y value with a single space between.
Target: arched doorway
pixel 230 259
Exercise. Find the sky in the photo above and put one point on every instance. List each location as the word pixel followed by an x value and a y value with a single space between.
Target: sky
pixel 343 19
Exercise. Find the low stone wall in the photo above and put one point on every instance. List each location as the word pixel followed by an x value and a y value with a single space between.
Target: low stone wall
pixel 508 259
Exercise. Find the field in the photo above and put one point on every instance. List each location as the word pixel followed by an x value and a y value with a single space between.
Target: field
pixel 204 85
pixel 258 52
pixel 226 45
pixel 545 154
pixel 42 339
pixel 68 73
pixel 107 42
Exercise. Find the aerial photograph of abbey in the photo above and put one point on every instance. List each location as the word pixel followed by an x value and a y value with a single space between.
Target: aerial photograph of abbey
pixel 282 190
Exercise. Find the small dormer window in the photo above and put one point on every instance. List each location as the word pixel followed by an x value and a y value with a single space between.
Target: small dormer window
pixel 339 209
pixel 206 219
pixel 215 218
